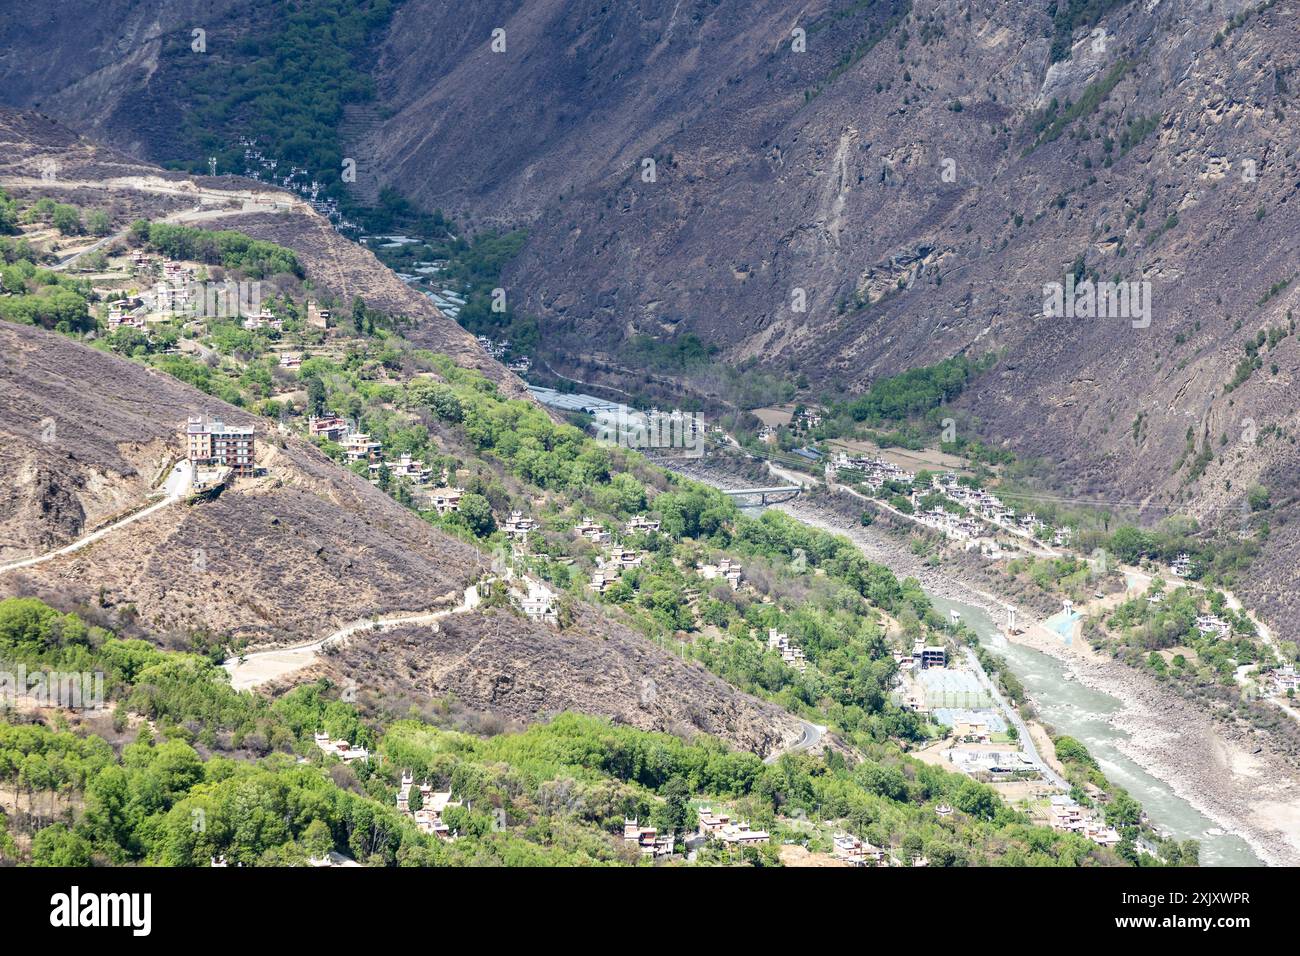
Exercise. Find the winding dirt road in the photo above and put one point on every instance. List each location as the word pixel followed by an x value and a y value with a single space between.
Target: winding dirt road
pixel 253 670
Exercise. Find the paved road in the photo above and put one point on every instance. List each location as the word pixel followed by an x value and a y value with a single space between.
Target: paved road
pixel 73 257
pixel 812 735
pixel 1026 740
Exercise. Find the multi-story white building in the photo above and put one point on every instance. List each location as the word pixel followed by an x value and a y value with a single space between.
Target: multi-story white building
pixel 360 447
pixel 518 525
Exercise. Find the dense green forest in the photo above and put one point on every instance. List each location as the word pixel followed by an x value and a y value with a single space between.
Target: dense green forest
pixel 283 83
pixel 917 391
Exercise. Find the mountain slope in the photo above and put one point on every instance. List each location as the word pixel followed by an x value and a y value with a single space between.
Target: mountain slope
pixel 919 175
pixel 284 556
pixel 88 172
pixel 919 193
pixel 289 556
pixel 501 663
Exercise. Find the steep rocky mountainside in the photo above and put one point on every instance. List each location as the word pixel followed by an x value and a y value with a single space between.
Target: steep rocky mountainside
pixel 93 65
pixel 920 181
pixel 917 175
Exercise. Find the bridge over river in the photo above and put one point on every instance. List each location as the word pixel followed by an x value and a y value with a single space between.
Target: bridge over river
pixel 766 496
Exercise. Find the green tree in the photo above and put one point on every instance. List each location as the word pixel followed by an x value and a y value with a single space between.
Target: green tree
pixel 98 223
pixel 476 512
pixel 1129 543
pixel 317 839
pixel 56 845
pixel 315 395
pixel 8 214
pixel 67 219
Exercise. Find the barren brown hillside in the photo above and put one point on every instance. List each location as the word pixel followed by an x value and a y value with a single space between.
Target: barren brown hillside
pixel 505 664
pixel 284 557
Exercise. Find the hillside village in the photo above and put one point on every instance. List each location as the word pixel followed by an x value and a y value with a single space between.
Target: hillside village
pixel 973 518
pixel 648 552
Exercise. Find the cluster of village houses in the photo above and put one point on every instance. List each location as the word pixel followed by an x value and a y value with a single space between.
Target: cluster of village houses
pixel 614 561
pixel 174 293
pixel 1207 624
pixel 1067 815
pixel 449 302
pixel 804 419
pixel 343 749
pixel 858 852
pixel 429 817
pixel 1210 625
pixel 972 753
pixel 260 167
pixel 538 601
pixel 712 826
pixel 359 446
pixel 177 292
pixel 791 653
pixel 982 507
pixel 433 804
pixel 611 564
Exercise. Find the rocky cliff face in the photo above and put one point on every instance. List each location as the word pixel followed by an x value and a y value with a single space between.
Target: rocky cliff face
pixel 903 191
pixel 96 66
